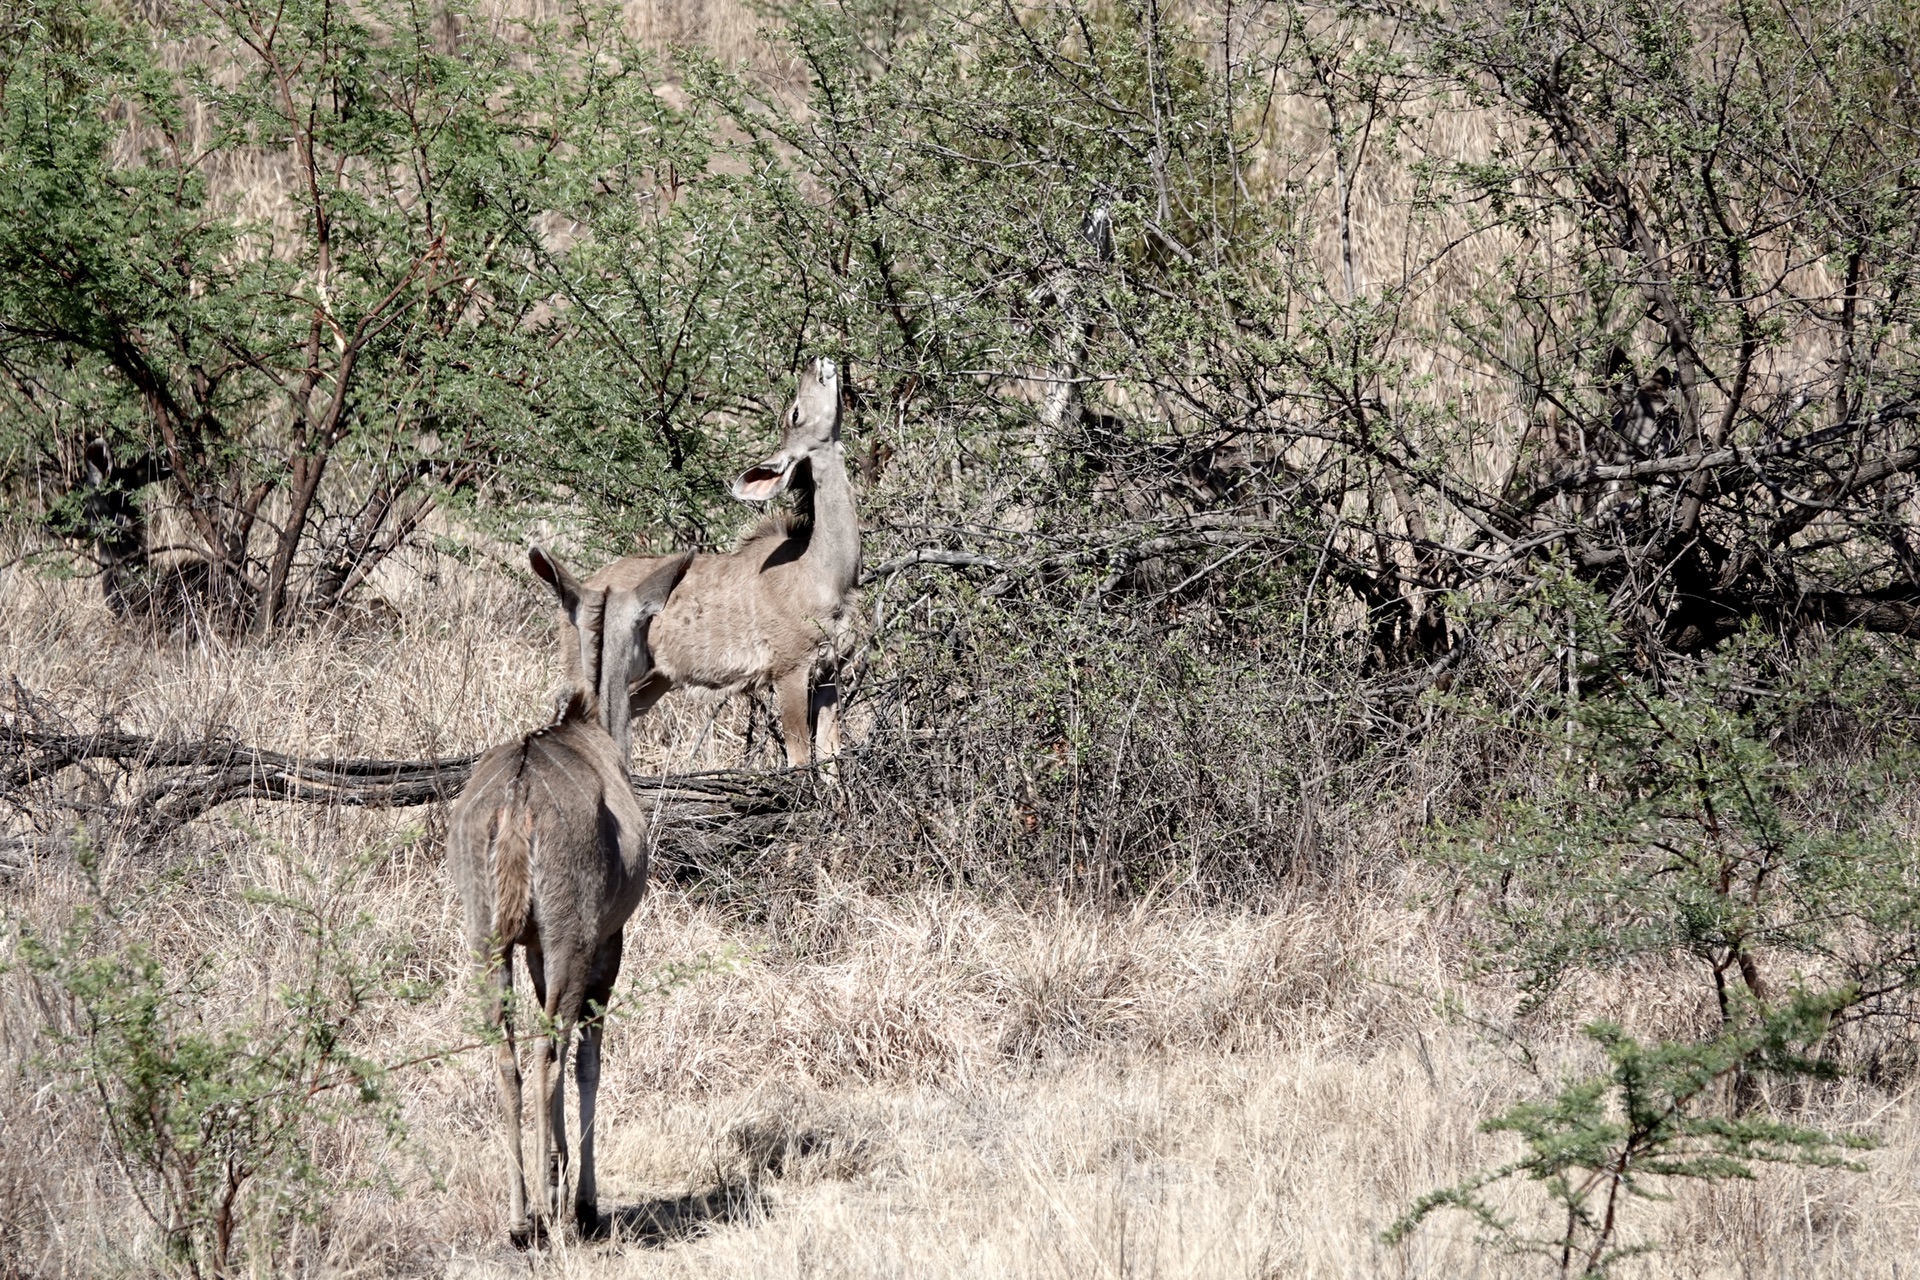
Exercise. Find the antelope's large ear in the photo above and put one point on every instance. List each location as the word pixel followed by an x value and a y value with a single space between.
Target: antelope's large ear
pixel 768 480
pixel 584 608
pixel 658 587
pixel 555 575
pixel 629 616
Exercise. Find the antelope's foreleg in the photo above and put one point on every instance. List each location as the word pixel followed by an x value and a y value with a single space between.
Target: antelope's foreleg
pixel 790 694
pixel 826 715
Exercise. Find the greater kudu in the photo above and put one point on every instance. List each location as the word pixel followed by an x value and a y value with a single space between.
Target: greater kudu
pixel 765 614
pixel 548 846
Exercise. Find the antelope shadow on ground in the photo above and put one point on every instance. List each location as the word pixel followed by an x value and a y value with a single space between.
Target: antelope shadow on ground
pixel 670 1220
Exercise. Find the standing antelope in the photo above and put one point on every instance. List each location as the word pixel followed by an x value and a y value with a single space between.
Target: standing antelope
pixel 548 846
pixel 764 614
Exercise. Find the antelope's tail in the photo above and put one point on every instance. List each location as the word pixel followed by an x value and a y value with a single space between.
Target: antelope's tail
pixel 510 859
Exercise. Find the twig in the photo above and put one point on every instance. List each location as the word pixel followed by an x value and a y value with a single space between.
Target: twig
pixel 932 555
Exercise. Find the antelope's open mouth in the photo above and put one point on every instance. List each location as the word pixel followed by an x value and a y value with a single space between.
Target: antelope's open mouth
pixel 768 480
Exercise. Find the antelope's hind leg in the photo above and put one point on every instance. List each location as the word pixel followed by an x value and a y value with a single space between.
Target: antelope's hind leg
pixel 559 981
pixel 606 970
pixel 499 987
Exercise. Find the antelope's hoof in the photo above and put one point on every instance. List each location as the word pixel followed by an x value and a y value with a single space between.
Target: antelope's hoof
pixel 527 1235
pixel 587 1220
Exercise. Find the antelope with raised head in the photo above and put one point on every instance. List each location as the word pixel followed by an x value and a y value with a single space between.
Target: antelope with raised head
pixel 765 613
pixel 548 846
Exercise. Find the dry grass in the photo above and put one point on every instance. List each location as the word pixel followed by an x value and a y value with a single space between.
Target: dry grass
pixel 930 1083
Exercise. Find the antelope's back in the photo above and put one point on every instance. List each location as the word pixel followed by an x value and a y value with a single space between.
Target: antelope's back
pixel 592 837
pixel 588 848
pixel 718 630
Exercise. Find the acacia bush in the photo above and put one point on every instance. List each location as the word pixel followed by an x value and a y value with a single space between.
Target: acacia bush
pixel 219 1119
pixel 1624 302
pixel 1712 824
pixel 286 263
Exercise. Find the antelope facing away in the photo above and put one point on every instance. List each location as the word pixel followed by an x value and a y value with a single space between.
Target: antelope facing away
pixel 548 846
pixel 764 614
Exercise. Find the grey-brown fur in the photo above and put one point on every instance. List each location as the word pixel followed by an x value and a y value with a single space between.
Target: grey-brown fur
pixel 764 614
pixel 548 847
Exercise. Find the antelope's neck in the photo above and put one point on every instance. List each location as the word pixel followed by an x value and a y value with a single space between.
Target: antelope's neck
pixel 833 549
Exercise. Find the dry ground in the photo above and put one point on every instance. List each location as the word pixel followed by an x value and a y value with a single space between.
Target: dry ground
pixel 929 1082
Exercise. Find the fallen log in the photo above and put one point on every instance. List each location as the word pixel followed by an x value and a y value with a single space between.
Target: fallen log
pixel 177 780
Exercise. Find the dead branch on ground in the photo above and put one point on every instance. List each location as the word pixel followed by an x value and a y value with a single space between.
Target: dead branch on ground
pixel 56 776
